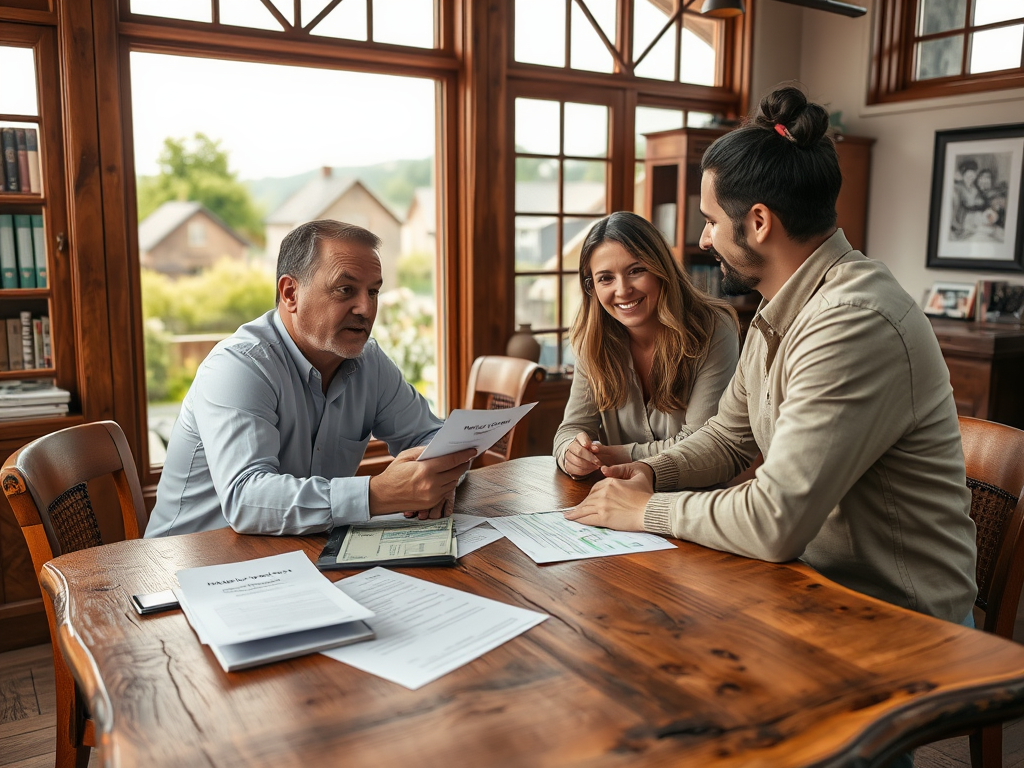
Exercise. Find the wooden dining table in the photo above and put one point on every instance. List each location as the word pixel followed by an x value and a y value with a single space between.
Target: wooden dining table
pixel 682 657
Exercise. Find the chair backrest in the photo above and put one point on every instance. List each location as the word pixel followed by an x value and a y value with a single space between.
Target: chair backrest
pixel 46 484
pixel 994 456
pixel 497 382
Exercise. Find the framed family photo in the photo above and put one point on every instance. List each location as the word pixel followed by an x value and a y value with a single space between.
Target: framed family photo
pixel 951 300
pixel 975 219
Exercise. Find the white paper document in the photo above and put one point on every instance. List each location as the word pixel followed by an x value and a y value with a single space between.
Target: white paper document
pixel 550 538
pixel 473 533
pixel 255 599
pixel 476 429
pixel 425 630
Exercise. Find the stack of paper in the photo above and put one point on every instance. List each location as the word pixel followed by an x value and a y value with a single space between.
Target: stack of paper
pixel 28 399
pixel 268 609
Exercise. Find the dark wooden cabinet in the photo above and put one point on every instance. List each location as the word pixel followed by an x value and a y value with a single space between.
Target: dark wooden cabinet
pixel 986 369
pixel 544 420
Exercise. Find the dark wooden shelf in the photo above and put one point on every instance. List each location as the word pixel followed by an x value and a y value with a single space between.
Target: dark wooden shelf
pixel 19 294
pixel 31 373
pixel 24 430
pixel 22 198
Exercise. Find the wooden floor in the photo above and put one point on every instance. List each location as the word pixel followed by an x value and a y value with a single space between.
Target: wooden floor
pixel 27 719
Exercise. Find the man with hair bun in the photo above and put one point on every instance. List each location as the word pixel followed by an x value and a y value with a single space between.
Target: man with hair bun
pixel 840 386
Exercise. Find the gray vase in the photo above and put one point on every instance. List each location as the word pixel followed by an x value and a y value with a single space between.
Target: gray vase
pixel 523 344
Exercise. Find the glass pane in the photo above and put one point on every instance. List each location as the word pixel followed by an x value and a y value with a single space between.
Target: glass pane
pixel 404 22
pixel 603 12
pixel 536 185
pixel 535 300
pixel 639 190
pixel 571 298
pixel 697 59
pixel 537 126
pixel 939 58
pixel 660 63
pixel 540 32
pixel 18 93
pixel 190 10
pixel 587 50
pixel 574 232
pixel 549 345
pixel 996 49
pixel 214 205
pixel 940 16
pixel 649 18
pixel 699 119
pixel 347 21
pixel 584 187
pixel 651 119
pixel 248 13
pixel 992 11
pixel 586 130
pixel 568 357
pixel 536 243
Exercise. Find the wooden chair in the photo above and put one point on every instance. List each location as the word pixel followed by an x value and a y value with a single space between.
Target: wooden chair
pixel 994 455
pixel 46 484
pixel 497 382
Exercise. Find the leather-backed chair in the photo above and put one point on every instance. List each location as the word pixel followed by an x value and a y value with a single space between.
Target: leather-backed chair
pixel 994 455
pixel 47 485
pixel 497 382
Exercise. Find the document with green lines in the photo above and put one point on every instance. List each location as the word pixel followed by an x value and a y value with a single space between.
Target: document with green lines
pixel 550 538
pixel 392 543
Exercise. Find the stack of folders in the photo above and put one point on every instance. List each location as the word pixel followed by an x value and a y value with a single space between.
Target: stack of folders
pixel 32 399
pixel 269 609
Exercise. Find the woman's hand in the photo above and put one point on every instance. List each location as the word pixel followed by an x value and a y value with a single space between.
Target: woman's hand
pixel 580 457
pixel 610 455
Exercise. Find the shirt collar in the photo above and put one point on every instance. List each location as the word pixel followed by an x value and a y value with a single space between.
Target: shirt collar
pixel 306 368
pixel 774 317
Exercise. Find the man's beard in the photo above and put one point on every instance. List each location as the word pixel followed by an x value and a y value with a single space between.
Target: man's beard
pixel 734 283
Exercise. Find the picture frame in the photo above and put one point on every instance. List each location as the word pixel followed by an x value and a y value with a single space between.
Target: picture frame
pixel 975 220
pixel 955 300
pixel 1000 301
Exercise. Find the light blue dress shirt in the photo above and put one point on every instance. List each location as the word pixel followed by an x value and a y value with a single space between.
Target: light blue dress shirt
pixel 260 447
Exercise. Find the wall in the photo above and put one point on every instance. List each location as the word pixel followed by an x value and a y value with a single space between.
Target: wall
pixel 833 64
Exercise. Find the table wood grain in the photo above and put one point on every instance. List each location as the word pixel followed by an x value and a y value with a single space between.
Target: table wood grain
pixel 680 657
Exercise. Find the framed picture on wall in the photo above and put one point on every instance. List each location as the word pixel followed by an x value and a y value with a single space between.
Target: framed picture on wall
pixel 975 219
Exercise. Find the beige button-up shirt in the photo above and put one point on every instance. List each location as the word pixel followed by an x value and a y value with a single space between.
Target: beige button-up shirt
pixel 842 387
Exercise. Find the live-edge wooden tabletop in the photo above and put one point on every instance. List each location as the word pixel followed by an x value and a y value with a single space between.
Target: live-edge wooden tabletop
pixel 678 657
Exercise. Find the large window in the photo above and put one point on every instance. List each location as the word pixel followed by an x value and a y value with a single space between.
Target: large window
pixel 927 48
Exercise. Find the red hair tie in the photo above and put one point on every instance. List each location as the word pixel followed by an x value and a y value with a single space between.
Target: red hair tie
pixel 783 131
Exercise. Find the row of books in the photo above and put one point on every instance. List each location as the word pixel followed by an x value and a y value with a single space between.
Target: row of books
pixel 22 251
pixel 707 278
pixel 26 345
pixel 32 399
pixel 20 170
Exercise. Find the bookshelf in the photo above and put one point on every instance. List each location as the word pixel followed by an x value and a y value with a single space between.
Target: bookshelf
pixel 672 179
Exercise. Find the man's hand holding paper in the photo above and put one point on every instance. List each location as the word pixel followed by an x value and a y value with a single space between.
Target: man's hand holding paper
pixel 422 487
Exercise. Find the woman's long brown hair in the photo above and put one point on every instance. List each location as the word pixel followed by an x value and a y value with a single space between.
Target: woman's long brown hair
pixel 687 318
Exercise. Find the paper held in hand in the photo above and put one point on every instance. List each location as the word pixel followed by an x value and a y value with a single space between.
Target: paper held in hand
pixel 473 429
pixel 268 609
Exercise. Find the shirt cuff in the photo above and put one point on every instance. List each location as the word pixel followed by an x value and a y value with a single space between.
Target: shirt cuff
pixel 350 500
pixel 666 473
pixel 656 514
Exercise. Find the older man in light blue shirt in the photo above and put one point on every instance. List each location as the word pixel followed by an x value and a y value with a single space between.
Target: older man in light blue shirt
pixel 276 421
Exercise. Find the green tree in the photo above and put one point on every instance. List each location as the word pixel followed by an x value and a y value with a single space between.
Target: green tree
pixel 197 169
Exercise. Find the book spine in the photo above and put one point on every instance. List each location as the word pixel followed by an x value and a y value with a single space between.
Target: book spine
pixel 5 361
pixel 23 180
pixel 14 343
pixel 47 343
pixel 9 143
pixel 37 342
pixel 26 256
pixel 35 180
pixel 8 252
pixel 27 350
pixel 39 249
